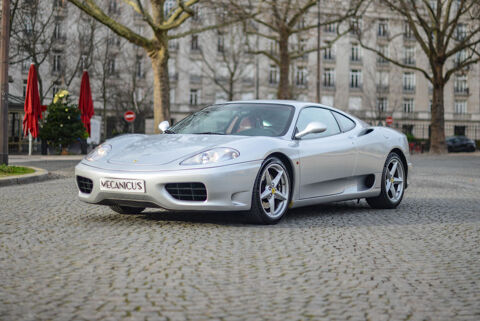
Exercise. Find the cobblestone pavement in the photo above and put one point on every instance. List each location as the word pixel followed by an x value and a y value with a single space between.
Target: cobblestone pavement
pixel 64 260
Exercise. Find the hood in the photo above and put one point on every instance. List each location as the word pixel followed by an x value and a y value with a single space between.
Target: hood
pixel 163 149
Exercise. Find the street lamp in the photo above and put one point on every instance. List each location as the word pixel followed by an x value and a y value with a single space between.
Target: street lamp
pixel 318 53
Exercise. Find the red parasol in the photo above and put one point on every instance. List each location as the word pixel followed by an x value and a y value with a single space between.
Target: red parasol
pixel 85 102
pixel 32 107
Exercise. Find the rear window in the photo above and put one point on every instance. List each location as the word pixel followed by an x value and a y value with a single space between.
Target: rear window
pixel 345 123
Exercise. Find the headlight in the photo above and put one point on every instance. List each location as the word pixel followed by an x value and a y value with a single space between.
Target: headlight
pixel 214 155
pixel 98 152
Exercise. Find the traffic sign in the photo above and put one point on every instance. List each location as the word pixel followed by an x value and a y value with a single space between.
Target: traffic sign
pixel 129 116
pixel 389 120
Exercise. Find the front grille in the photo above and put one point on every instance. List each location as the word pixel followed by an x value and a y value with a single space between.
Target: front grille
pixel 187 191
pixel 85 185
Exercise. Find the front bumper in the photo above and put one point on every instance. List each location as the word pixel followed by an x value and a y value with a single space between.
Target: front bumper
pixel 229 187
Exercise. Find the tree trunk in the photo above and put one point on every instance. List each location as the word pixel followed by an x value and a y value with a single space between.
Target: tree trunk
pixel 231 85
pixel 161 87
pixel 437 125
pixel 284 91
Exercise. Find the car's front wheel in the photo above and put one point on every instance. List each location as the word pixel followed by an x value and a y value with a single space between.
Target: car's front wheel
pixel 393 183
pixel 271 192
pixel 126 209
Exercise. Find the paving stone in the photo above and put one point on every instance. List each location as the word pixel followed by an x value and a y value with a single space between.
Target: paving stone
pixel 61 259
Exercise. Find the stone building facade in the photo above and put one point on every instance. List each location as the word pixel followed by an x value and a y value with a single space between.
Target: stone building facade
pixel 352 78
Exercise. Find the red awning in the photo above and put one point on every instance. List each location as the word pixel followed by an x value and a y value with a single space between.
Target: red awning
pixel 33 110
pixel 85 103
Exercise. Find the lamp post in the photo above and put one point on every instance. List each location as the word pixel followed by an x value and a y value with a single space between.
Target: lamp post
pixel 319 70
pixel 4 81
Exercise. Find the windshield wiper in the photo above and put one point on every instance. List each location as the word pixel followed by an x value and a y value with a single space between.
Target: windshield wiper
pixel 169 131
pixel 208 133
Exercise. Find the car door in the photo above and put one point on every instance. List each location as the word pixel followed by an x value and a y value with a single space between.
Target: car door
pixel 326 159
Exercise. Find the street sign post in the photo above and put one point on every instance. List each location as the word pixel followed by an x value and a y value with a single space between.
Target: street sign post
pixel 129 116
pixel 389 120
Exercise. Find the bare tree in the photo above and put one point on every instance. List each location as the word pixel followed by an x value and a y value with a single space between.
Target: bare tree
pixel 278 21
pixel 32 37
pixel 445 30
pixel 162 23
pixel 227 63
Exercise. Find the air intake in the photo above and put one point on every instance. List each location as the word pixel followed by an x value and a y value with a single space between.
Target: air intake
pixel 187 191
pixel 85 185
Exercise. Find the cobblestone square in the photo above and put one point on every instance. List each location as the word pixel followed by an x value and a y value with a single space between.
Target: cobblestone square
pixel 61 259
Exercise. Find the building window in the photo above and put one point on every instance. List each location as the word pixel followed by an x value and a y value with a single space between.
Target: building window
pixel 220 42
pixel 460 57
pixel 408 105
pixel 408 81
pixel 329 77
pixel 194 97
pixel 382 28
pixel 461 31
pixel 382 80
pixel 355 53
pixel 330 28
pixel 355 26
pixel 355 103
pixel 196 12
pixel 112 6
pixel 382 104
pixel 384 51
pixel 273 46
pixel 139 67
pixel 273 75
pixel 194 43
pixel 461 107
pixel 168 7
pixel 301 76
pixel 355 78
pixel 461 84
pixel 408 32
pixel 83 62
pixel 57 31
pixel 409 55
pixel 57 62
pixel 55 89
pixel 111 66
pixel 328 52
pixel 24 87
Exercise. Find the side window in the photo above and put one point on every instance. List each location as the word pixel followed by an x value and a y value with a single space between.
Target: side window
pixel 345 123
pixel 322 115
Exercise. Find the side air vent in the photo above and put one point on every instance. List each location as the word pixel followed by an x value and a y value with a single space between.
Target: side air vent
pixel 187 191
pixel 85 185
pixel 365 131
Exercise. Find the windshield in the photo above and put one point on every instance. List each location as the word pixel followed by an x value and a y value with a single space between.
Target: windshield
pixel 237 119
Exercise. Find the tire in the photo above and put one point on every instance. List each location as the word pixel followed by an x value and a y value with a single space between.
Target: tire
pixel 393 184
pixel 126 209
pixel 278 188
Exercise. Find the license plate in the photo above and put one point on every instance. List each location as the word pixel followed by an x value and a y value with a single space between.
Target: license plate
pixel 122 185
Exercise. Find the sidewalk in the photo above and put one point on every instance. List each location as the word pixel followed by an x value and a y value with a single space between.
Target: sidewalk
pixel 36 158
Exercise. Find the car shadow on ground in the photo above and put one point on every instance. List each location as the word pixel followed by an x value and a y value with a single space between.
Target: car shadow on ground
pixel 341 214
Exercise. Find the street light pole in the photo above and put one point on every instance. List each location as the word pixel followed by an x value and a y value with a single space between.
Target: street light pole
pixel 319 71
pixel 4 81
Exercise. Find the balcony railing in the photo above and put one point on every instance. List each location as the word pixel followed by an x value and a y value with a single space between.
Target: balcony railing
pixel 409 61
pixel 408 89
pixel 383 89
pixel 461 91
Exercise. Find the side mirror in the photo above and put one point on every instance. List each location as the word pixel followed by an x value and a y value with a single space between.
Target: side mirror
pixel 164 125
pixel 313 127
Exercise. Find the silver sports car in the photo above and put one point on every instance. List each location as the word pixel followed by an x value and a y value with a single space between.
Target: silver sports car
pixel 259 157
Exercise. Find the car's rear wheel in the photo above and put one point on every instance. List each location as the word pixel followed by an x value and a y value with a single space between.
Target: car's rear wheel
pixel 271 192
pixel 393 184
pixel 126 209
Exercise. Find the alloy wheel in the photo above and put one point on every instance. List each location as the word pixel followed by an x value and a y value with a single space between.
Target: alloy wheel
pixel 394 180
pixel 274 190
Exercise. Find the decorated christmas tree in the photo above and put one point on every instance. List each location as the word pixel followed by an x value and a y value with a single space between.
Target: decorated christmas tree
pixel 62 125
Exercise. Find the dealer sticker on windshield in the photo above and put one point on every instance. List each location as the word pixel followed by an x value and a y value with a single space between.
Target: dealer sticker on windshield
pixel 122 185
